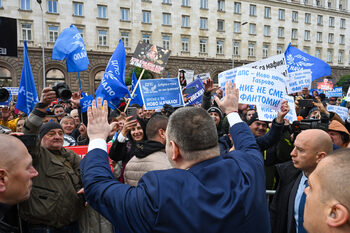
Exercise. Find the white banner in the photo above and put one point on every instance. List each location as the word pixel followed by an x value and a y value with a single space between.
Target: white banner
pixel 297 80
pixel 341 111
pixel 275 63
pixel 268 114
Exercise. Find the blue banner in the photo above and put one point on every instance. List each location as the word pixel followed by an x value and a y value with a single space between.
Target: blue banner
pixel 70 45
pixel 27 95
pixel 157 92
pixel 137 98
pixel 86 102
pixel 336 92
pixel 112 86
pixel 298 60
pixel 194 92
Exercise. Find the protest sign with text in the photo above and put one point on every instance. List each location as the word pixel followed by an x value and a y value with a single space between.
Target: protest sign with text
pixel 226 76
pixel 203 76
pixel 157 92
pixel 150 57
pixel 260 87
pixel 194 92
pixel 268 114
pixel 297 80
pixel 347 98
pixel 336 92
pixel 275 63
pixel 326 85
pixel 341 111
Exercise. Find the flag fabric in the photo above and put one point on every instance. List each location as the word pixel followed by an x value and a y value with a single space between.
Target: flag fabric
pixel 298 60
pixel 27 95
pixel 70 45
pixel 112 87
pixel 137 98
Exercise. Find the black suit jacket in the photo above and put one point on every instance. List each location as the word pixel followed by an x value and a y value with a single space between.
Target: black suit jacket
pixel 282 205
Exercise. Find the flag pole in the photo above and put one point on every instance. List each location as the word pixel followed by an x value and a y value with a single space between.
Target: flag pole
pixel 133 92
pixel 79 80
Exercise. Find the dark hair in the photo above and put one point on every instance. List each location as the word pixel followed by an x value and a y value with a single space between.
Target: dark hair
pixel 57 106
pixel 154 124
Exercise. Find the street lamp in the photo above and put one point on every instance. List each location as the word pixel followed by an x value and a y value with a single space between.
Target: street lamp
pixel 233 55
pixel 43 42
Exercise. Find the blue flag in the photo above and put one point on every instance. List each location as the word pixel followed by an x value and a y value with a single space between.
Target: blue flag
pixel 112 86
pixel 70 45
pixel 27 95
pixel 298 60
pixel 137 98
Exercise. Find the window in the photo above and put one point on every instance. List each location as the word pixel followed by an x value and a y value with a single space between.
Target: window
pixel 124 14
pixel 185 2
pixel 166 19
pixel 319 37
pixel 98 78
pixel 5 77
pixel 221 25
pixel 267 12
pixel 265 50
pixel 203 23
pixel 102 11
pixel 331 21
pixel 267 30
pixel 53 33
pixel 185 21
pixel 307 35
pixel 25 5
pixel 341 39
pixel 329 55
pixel 166 42
pixel 319 20
pixel 78 9
pixel 342 23
pixel 236 48
pixel 330 37
pixel 281 14
pixel 203 45
pixel 294 34
pixel 219 47
pixel 237 8
pixel 318 53
pixel 307 18
pixel 54 76
pixel 340 56
pixel 204 4
pixel 185 44
pixel 251 47
pixel 329 4
pixel 0 3
pixel 279 49
pixel 306 50
pixel 146 38
pixel 252 27
pixel 146 17
pixel 81 31
pixel 52 6
pixel 252 10
pixel 125 38
pixel 26 31
pixel 280 32
pixel 166 1
pixel 236 27
pixel 102 37
pixel 318 3
pixel 294 16
pixel 221 5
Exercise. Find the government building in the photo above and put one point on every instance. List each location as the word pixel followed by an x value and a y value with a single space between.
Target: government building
pixel 203 35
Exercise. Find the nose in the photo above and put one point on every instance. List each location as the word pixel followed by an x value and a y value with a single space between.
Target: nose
pixel 293 154
pixel 33 172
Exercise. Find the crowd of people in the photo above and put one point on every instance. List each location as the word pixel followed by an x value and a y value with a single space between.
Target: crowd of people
pixel 203 168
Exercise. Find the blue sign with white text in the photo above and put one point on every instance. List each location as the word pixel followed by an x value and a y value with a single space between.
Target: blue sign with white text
pixel 194 92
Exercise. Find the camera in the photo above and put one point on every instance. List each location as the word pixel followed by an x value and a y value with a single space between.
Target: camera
pixel 4 95
pixel 62 91
pixel 322 124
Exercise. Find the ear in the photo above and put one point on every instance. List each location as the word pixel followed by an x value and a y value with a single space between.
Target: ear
pixel 320 156
pixel 161 133
pixel 3 180
pixel 176 151
pixel 338 216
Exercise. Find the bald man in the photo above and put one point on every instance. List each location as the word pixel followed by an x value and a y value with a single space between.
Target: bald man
pixel 328 195
pixel 16 174
pixel 287 207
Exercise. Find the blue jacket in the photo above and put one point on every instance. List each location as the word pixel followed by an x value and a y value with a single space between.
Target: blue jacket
pixel 223 194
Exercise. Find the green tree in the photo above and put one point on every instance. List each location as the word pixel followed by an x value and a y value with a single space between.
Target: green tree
pixel 344 82
pixel 146 75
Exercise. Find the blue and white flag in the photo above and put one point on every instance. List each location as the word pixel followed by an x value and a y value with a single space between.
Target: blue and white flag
pixel 298 60
pixel 137 98
pixel 112 86
pixel 86 102
pixel 70 45
pixel 27 95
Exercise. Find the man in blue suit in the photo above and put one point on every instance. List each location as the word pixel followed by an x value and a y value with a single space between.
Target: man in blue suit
pixel 204 192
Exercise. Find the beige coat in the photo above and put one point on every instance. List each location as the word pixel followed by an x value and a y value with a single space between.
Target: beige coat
pixel 136 167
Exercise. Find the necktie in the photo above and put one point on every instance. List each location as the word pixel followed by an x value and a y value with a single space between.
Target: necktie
pixel 301 211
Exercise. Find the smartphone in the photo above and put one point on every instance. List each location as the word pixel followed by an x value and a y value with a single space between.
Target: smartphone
pixel 132 111
pixel 308 103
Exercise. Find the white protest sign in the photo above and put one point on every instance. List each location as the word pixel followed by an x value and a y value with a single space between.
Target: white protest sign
pixel 341 111
pixel 268 114
pixel 297 80
pixel 228 75
pixel 260 87
pixel 189 74
pixel 275 63
pixel 347 98
pixel 203 76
